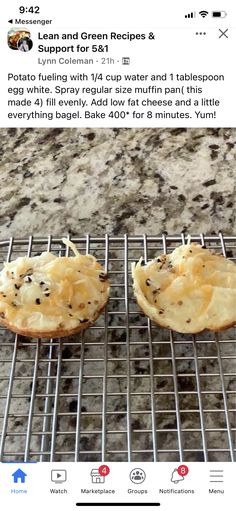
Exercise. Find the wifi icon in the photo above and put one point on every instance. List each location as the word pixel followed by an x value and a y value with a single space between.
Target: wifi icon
pixel 203 13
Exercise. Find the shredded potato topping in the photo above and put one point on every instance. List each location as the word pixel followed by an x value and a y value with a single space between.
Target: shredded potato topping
pixel 46 292
pixel 189 290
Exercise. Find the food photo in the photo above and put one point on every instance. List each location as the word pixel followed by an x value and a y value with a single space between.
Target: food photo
pixel 117 295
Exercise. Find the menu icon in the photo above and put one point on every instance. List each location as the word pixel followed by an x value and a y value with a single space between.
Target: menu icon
pixel 216 476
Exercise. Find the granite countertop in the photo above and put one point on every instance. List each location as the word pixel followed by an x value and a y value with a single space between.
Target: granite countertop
pixel 117 180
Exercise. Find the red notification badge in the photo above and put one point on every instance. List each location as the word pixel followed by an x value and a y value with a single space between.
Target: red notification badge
pixel 104 470
pixel 183 470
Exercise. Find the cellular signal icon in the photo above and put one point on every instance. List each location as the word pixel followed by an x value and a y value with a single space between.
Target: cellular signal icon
pixel 203 14
pixel 191 15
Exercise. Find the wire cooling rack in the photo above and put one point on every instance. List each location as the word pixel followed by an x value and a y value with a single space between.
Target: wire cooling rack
pixel 124 390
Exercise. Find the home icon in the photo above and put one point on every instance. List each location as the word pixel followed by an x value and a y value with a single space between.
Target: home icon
pixel 19 476
pixel 96 477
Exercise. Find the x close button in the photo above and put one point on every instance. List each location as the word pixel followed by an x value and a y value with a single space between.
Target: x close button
pixel 223 33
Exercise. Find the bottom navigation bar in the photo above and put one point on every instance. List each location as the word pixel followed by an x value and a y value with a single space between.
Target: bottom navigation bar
pixel 179 486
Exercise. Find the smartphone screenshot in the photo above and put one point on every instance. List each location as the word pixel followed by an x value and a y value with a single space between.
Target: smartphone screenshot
pixel 117 255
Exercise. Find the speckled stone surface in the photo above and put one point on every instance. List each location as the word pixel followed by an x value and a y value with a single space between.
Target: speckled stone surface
pixel 148 180
pixel 118 180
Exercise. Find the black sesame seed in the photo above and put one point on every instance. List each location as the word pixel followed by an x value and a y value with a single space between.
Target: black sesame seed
pixel 17 286
pixel 188 321
pixel 70 306
pixel 142 263
pixel 42 283
pixel 103 277
pixel 47 294
pixel 89 303
pixel 161 312
pixel 28 279
pixel 16 294
pixel 148 282
pixel 71 315
pixel 37 301
pixel 83 320
pixel 4 296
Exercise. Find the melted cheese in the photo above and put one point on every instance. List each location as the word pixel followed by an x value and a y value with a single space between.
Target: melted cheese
pixel 46 292
pixel 189 290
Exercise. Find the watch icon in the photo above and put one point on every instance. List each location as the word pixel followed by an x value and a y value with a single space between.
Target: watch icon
pixel 58 476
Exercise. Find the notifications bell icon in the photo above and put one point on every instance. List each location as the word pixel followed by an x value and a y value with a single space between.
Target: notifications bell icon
pixel 176 477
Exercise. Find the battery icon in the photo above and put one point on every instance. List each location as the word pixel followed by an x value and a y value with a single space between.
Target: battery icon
pixel 219 14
